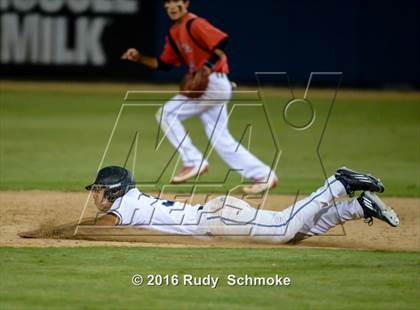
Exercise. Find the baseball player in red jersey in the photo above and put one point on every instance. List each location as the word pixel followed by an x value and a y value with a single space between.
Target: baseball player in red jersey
pixel 205 92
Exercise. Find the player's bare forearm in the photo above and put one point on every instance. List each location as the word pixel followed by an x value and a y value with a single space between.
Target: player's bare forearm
pixel 135 56
pixel 150 62
pixel 106 220
pixel 219 52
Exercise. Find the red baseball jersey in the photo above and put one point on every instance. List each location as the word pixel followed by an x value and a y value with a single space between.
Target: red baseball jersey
pixel 194 56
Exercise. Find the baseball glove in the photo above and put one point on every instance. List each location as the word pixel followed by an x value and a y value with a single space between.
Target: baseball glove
pixel 195 85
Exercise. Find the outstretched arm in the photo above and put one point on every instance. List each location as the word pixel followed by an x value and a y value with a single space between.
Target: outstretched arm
pixel 106 220
pixel 153 63
pixel 134 55
pixel 67 230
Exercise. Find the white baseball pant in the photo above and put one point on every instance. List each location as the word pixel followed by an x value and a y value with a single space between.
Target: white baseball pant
pixel 316 214
pixel 211 108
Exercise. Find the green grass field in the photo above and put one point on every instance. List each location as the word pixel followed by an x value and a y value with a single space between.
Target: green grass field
pixel 100 278
pixel 54 136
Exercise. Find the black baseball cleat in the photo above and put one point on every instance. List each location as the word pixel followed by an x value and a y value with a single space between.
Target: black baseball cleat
pixel 373 206
pixel 356 181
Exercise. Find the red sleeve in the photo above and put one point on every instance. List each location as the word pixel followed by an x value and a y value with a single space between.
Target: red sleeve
pixel 168 55
pixel 206 33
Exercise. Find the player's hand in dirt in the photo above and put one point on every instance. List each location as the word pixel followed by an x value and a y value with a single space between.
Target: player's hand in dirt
pixel 132 55
pixel 48 229
pixel 29 234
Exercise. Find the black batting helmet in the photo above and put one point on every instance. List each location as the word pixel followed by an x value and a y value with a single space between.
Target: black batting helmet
pixel 117 181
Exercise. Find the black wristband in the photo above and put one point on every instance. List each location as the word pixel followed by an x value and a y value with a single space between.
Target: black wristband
pixel 211 62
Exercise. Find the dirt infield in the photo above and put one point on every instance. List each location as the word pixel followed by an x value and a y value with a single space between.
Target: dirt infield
pixel 31 209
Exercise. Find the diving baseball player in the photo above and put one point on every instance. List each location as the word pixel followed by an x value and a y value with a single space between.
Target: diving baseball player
pixel 205 92
pixel 122 204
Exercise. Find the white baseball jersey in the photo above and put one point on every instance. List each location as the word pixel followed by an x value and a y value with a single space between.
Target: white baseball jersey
pixel 141 210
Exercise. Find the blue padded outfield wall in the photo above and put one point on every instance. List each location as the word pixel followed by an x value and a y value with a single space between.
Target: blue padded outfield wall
pixel 374 43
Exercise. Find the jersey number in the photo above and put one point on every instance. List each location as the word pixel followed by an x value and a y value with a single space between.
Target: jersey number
pixel 168 203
